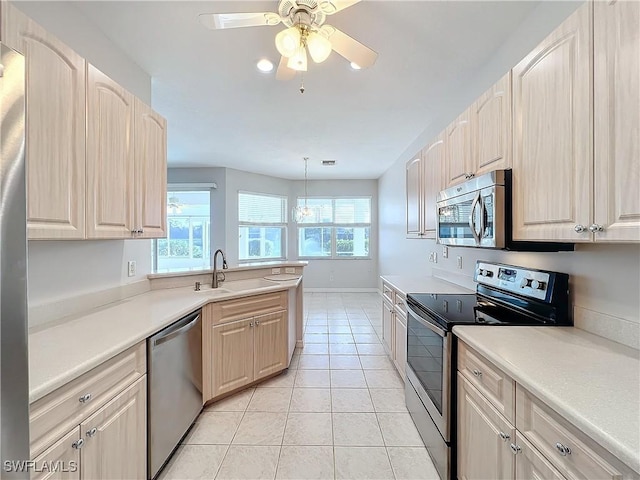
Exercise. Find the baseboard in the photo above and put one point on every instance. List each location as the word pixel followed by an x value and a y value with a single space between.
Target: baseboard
pixel 621 330
pixel 340 290
pixel 52 311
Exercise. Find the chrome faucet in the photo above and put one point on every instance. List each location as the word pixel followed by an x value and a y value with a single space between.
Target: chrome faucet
pixel 214 282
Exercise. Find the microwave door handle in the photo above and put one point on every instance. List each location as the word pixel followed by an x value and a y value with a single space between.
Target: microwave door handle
pixel 483 218
pixel 472 219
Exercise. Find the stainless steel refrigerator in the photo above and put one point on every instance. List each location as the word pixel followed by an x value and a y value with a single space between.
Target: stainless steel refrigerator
pixel 14 360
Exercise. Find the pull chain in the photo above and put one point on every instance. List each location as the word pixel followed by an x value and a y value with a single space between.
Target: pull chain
pixel 301 82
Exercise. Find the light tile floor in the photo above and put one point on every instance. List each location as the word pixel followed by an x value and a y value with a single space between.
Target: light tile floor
pixel 338 412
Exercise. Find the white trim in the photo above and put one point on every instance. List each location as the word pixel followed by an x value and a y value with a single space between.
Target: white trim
pixel 192 186
pixel 340 290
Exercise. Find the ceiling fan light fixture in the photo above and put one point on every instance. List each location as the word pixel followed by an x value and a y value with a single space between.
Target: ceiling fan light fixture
pixel 298 61
pixel 355 66
pixel 288 41
pixel 319 47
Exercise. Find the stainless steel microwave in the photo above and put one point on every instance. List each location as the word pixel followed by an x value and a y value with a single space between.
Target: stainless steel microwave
pixel 477 213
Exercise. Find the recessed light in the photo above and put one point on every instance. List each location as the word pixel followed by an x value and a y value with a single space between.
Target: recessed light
pixel 264 65
pixel 355 66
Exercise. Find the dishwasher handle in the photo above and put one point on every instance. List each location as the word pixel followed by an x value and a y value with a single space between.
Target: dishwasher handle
pixel 173 332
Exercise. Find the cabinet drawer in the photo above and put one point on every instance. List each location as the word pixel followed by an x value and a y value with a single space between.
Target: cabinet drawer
pixel 492 382
pixel 550 434
pixel 239 308
pixel 58 412
pixel 400 306
pixel 388 293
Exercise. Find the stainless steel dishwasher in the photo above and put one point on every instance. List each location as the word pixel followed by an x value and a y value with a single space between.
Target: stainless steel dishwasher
pixel 174 357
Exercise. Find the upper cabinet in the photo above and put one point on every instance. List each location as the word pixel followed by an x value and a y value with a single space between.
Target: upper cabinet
pixel 55 128
pixel 491 128
pixel 552 150
pixel 617 121
pixel 414 198
pixel 150 172
pixel 458 149
pixel 110 158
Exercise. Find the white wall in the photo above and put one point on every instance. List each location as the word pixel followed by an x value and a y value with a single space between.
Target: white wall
pixel 59 270
pixel 604 278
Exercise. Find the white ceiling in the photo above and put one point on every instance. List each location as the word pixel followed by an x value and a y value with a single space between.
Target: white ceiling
pixel 222 112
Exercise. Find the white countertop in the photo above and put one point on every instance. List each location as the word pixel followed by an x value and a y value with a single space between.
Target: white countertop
pixel 592 382
pixel 415 284
pixel 64 350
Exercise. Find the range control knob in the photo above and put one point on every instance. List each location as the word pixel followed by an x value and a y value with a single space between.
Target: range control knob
pixel 538 285
pixel 488 273
pixel 525 282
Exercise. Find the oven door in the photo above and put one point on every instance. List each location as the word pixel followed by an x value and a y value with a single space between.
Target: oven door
pixel 429 368
pixel 460 220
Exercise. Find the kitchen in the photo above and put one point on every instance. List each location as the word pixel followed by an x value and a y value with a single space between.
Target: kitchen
pixel 68 278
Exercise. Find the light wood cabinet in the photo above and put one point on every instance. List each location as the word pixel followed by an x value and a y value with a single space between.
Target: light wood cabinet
pixel 394 326
pixel 400 341
pixel 243 341
pixel 65 455
pixel 110 158
pixel 150 172
pixel 552 150
pixel 433 157
pixel 55 128
pixel 617 120
pixel 458 149
pixel 414 200
pixel 483 437
pixel 388 321
pixel 532 464
pixel 116 437
pixel 491 128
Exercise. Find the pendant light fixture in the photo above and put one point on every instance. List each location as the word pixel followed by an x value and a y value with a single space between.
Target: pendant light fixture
pixel 302 212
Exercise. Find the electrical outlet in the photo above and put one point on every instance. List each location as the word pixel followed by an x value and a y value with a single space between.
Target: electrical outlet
pixel 445 251
pixel 290 270
pixel 459 262
pixel 275 271
pixel 131 268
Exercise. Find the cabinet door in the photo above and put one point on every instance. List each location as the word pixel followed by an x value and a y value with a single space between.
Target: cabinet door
pixel 110 168
pixel 414 227
pixel 617 120
pixel 400 344
pixel 151 172
pixel 531 464
pixel 61 461
pixel 552 152
pixel 117 448
pixel 432 163
pixel 482 450
pixel 387 328
pixel 55 128
pixel 491 127
pixel 458 150
pixel 270 344
pixel 232 347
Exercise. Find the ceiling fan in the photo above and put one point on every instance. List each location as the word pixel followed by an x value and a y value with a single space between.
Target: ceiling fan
pixel 306 32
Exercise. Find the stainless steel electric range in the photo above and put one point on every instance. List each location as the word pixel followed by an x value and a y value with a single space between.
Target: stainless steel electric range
pixel 505 295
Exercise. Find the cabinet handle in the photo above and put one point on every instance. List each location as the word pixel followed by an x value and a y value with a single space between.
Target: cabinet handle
pixel 257 323
pixel 563 449
pixel 251 324
pixel 477 373
pixel 92 432
pixel 504 436
pixel 515 448
pixel 85 398
pixel 579 228
pixel 78 444
pixel 469 175
pixel 595 228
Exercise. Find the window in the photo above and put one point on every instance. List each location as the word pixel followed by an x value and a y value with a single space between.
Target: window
pixel 188 231
pixel 262 226
pixel 336 228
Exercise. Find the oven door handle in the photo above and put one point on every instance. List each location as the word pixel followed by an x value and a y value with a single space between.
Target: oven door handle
pixel 472 218
pixel 435 329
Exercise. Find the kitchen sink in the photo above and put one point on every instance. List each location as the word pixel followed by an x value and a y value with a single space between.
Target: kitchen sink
pixel 248 284
pixel 213 291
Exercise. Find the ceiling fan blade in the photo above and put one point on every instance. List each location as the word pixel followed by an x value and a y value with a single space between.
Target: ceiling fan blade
pixel 284 72
pixel 334 6
pixel 349 47
pixel 218 21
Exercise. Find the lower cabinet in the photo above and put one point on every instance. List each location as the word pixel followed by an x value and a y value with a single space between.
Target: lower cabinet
pixel 394 326
pixel 531 463
pixel 270 344
pixel 400 340
pixel 388 321
pixel 63 456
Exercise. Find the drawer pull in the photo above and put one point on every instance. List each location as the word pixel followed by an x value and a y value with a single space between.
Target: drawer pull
pixel 257 323
pixel 78 444
pixel 92 432
pixel 515 448
pixel 250 324
pixel 85 398
pixel 504 436
pixel 563 449
pixel 477 373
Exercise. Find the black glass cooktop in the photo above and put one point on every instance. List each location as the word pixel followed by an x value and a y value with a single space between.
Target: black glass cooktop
pixel 469 309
